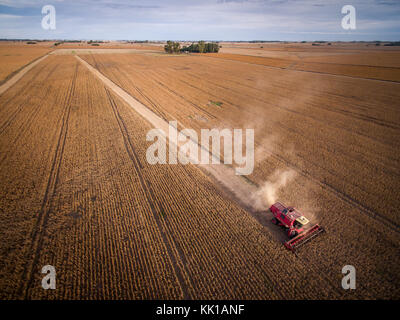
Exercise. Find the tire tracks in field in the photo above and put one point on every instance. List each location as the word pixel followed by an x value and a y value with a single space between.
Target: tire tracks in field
pixel 241 190
pixel 179 267
pixel 39 229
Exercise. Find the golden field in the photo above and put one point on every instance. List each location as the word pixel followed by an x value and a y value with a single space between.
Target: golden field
pixel 15 55
pixel 78 193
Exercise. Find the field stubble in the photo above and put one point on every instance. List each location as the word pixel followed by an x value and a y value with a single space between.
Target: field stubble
pixel 338 134
pixel 78 194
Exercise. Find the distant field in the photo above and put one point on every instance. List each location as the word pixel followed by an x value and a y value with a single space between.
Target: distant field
pixel 14 56
pixel 361 61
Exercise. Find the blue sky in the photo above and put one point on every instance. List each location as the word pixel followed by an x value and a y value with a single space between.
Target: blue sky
pixel 288 20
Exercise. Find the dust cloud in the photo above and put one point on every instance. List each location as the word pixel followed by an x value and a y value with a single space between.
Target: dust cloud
pixel 267 193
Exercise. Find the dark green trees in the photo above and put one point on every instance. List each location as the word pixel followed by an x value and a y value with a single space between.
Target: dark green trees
pixel 200 47
pixel 172 47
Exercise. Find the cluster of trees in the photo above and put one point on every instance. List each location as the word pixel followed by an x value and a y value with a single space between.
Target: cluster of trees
pixel 172 47
pixel 91 42
pixel 201 47
pixel 139 41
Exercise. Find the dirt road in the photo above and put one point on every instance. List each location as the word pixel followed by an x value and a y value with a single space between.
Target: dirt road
pixel 20 74
pixel 237 188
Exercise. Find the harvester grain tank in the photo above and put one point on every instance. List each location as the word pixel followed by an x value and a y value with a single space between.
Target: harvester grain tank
pixel 297 226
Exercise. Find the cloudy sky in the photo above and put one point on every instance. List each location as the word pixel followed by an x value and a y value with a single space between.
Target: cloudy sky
pixel 201 19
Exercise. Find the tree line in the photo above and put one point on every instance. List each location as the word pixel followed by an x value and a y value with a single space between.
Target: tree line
pixel 200 47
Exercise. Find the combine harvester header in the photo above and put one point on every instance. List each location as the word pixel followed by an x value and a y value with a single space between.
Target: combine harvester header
pixel 296 225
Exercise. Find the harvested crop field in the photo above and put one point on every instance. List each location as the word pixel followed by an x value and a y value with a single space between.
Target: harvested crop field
pixel 342 68
pixel 78 193
pixel 14 56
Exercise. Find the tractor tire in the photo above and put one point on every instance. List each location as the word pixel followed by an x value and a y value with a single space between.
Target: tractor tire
pixel 275 221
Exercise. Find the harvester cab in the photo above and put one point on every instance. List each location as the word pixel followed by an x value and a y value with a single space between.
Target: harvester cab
pixel 298 227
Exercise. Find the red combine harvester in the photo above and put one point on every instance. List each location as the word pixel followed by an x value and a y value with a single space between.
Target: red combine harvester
pixel 297 226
